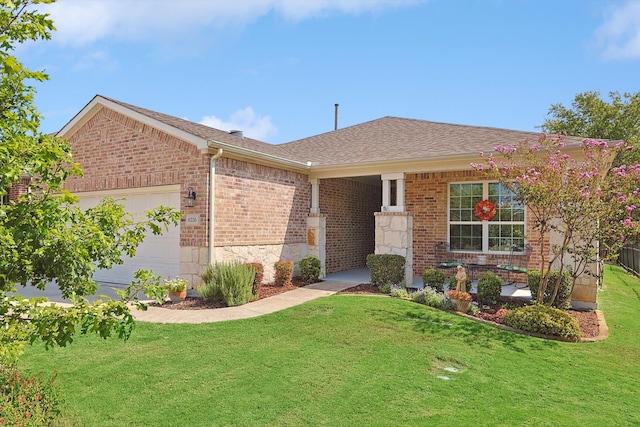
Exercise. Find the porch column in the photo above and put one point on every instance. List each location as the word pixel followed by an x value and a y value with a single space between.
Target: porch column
pixel 585 290
pixel 394 235
pixel 317 239
pixel 315 196
pixel 393 201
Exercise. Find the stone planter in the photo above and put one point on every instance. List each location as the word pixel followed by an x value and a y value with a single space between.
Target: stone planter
pixel 462 306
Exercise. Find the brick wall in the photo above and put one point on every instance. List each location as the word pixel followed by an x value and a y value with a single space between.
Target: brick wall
pixel 18 189
pixel 258 205
pixel 117 152
pixel 349 207
pixel 426 198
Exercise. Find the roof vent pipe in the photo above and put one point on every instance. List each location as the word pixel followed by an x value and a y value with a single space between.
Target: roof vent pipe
pixel 237 133
pixel 336 120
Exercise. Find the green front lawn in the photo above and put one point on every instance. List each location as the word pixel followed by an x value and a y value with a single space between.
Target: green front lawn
pixel 354 361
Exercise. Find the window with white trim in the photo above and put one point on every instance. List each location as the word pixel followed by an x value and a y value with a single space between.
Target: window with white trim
pixel 499 234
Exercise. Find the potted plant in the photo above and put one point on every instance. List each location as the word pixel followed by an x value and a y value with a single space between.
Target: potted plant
pixel 462 300
pixel 177 289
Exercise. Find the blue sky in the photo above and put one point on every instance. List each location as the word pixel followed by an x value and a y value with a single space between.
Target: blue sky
pixel 275 68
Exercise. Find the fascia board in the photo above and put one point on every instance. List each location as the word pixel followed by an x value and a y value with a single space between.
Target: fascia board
pixel 98 102
pixel 440 164
pixel 239 153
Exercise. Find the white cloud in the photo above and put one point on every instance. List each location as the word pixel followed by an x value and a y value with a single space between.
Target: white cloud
pixel 251 124
pixel 83 22
pixel 298 10
pixel 94 59
pixel 619 35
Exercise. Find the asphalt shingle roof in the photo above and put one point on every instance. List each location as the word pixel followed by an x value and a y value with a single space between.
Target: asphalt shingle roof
pixel 384 139
pixel 210 133
pixel 394 138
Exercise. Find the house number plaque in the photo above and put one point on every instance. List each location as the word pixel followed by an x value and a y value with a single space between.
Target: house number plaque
pixel 193 219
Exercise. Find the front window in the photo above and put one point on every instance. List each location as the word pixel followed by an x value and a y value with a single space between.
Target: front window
pixel 499 234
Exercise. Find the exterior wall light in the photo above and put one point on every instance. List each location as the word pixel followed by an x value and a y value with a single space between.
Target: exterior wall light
pixel 190 198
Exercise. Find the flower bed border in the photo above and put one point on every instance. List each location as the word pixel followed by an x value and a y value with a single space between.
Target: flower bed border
pixel 603 329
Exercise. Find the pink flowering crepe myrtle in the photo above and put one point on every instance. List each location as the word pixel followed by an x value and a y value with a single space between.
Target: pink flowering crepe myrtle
pixel 580 197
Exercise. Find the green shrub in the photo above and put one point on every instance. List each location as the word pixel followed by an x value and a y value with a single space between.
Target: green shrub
pixel 398 292
pixel 386 270
pixel 545 320
pixel 489 288
pixel 564 292
pixel 284 273
pixel 229 282
pixel 257 281
pixel 28 401
pixel 236 283
pixel 432 298
pixel 210 289
pixel 310 268
pixel 434 279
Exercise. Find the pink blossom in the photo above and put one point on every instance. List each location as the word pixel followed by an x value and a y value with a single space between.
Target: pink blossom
pixel 505 149
pixel 621 144
pixel 619 171
pixel 592 143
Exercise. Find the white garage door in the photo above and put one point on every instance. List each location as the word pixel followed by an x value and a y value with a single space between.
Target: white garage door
pixel 158 253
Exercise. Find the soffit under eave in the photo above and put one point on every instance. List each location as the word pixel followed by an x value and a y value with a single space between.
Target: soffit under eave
pixel 378 168
pixel 79 120
pixel 431 165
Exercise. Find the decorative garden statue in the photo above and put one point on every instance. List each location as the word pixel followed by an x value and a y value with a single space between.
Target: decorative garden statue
pixel 461 279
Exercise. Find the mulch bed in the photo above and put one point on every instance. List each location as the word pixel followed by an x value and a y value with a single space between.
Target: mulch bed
pixel 588 320
pixel 196 303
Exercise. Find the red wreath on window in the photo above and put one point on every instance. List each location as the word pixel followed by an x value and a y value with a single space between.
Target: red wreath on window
pixel 485 210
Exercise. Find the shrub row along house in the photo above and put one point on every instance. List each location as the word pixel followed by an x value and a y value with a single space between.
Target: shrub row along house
pixel 390 185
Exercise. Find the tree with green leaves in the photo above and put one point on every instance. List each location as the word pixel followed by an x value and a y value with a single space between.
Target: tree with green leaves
pixel 593 117
pixel 46 239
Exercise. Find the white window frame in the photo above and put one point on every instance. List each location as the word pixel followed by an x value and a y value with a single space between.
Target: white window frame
pixel 485 224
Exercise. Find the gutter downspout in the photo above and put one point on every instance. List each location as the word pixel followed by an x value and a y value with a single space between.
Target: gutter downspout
pixel 212 176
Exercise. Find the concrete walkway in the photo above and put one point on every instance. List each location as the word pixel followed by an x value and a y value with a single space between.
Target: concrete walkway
pixel 330 285
pixel 252 309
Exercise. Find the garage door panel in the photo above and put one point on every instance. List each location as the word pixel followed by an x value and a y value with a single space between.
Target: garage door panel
pixel 158 253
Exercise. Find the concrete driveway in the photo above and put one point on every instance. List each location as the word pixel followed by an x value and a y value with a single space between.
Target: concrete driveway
pixel 53 293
